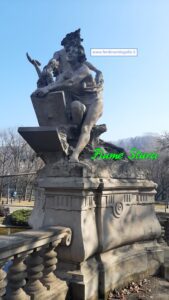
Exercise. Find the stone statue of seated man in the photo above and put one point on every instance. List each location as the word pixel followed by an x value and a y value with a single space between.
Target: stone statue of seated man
pixel 87 104
pixel 59 64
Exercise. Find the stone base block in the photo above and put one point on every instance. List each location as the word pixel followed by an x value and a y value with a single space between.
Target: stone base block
pixel 129 263
pixel 57 290
pixel 83 279
pixel 94 278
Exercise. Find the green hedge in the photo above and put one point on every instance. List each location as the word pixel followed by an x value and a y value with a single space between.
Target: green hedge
pixel 20 217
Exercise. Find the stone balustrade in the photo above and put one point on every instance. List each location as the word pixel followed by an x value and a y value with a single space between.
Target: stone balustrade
pixel 31 258
pixel 164 222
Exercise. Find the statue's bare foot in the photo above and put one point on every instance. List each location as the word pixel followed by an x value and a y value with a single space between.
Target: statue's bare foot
pixel 74 158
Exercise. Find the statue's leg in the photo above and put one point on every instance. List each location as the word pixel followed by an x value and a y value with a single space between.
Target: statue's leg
pixel 77 110
pixel 93 114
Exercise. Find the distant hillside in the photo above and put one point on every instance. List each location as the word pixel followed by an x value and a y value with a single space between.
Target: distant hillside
pixel 143 143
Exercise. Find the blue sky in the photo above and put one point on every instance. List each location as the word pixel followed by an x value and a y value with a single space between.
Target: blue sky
pixel 136 89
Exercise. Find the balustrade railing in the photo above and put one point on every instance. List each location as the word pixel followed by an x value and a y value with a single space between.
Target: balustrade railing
pixel 32 258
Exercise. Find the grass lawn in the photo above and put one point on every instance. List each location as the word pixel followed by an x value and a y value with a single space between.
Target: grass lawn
pixel 17 202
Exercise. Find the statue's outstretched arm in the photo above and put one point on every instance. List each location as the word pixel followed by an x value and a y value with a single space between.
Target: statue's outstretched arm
pixel 62 83
pixel 73 79
pixel 91 67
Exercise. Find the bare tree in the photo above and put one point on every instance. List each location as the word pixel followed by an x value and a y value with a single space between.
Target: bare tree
pixel 5 160
pixel 158 170
pixel 17 157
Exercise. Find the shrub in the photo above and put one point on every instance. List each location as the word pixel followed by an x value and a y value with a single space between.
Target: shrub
pixel 4 211
pixel 20 217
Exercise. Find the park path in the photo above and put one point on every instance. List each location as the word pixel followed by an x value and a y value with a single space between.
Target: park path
pixel 15 205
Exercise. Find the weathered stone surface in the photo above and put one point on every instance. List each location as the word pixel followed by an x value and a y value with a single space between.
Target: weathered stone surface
pixel 128 263
pixel 45 139
pixel 51 110
pixel 114 268
pixel 96 216
pixel 83 279
pixel 3 281
pixel 30 239
pixel 35 267
pixel 16 280
pixel 166 270
pixel 39 209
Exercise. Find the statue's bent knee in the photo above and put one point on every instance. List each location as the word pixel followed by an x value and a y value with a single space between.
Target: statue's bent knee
pixel 77 105
pixel 77 109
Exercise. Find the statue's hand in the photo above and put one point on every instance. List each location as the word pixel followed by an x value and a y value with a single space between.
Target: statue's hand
pixel 41 92
pixel 99 78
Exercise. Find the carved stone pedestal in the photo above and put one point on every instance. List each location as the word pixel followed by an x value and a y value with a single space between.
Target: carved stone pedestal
pixel 113 223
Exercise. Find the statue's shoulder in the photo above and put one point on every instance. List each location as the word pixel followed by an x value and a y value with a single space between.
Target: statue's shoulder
pixel 58 54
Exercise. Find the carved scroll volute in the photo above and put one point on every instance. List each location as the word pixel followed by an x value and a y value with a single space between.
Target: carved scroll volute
pixel 3 281
pixel 16 280
pixel 35 267
pixel 117 209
